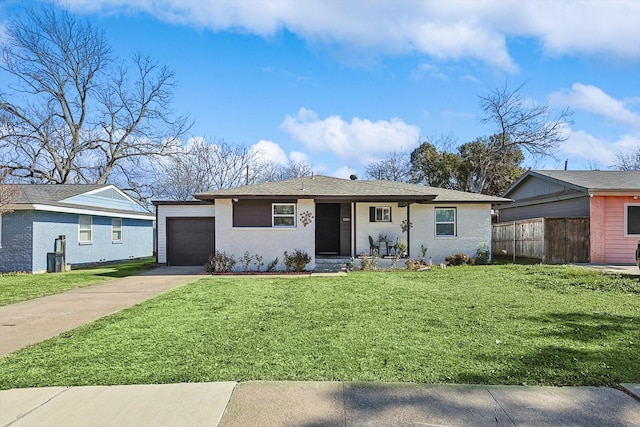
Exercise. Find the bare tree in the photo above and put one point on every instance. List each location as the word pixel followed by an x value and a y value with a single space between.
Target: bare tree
pixel 395 167
pixel 75 115
pixel 628 162
pixel 278 172
pixel 522 123
pixel 203 166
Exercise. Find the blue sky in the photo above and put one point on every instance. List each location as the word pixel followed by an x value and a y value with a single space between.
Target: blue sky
pixel 342 83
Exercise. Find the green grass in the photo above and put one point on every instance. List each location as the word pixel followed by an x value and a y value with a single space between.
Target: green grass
pixel 504 324
pixel 16 287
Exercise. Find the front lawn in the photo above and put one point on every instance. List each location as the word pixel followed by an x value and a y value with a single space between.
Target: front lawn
pixel 16 287
pixel 503 324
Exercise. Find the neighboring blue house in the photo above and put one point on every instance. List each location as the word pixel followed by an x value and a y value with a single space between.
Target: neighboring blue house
pixel 100 224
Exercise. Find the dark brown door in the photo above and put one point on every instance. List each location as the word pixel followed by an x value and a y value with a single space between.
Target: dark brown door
pixel 190 241
pixel 327 228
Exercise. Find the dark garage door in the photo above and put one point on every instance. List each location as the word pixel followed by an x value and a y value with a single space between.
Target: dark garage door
pixel 190 241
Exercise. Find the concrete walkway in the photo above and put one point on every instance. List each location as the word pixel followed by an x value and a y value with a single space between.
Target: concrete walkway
pixel 276 404
pixel 32 321
pixel 625 269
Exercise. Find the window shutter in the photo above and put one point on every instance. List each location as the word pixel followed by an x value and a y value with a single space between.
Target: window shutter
pixel 390 210
pixel 372 214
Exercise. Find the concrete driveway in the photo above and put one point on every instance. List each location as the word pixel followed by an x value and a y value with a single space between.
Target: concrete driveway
pixel 36 320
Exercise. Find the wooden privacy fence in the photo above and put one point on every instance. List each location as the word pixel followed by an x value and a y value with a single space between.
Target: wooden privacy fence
pixel 550 240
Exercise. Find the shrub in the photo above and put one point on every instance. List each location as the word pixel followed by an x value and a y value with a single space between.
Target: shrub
pixel 272 265
pixel 220 263
pixel 246 261
pixel 483 253
pixel 458 259
pixel 422 253
pixel 297 261
pixel 368 262
pixel 401 247
pixel 412 264
pixel 415 265
pixel 259 262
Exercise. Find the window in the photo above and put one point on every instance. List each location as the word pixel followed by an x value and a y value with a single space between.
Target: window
pixel 632 220
pixel 85 229
pixel 0 230
pixel 445 221
pixel 284 215
pixel 380 214
pixel 116 230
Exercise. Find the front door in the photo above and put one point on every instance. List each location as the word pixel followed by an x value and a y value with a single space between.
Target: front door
pixel 327 228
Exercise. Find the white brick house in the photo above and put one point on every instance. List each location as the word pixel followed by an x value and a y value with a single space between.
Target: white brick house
pixel 325 216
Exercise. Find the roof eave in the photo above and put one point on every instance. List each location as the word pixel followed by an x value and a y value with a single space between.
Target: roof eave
pixel 614 192
pixel 182 202
pixel 323 197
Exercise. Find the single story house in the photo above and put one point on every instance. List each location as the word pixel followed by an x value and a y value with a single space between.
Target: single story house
pixel 99 223
pixel 323 216
pixel 610 199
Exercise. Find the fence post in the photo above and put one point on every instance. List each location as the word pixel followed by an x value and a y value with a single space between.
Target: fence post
pixel 514 241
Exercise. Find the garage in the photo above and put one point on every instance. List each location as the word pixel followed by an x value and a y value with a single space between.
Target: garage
pixel 190 240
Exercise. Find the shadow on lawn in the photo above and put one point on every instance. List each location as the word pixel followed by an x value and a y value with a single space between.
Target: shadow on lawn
pixel 597 349
pixel 125 270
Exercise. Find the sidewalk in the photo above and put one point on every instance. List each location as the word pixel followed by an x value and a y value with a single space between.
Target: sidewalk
pixel 625 269
pixel 32 321
pixel 319 404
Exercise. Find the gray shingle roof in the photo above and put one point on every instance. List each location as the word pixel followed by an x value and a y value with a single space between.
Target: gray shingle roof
pixel 321 187
pixel 47 194
pixel 52 194
pixel 596 180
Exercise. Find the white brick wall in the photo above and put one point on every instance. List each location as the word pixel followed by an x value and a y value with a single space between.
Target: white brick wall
pixel 170 211
pixel 473 228
pixel 266 241
pixel 364 228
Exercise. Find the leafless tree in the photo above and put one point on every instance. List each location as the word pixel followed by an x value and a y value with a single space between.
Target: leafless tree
pixel 523 123
pixel 74 113
pixel 628 162
pixel 395 167
pixel 202 166
pixel 277 172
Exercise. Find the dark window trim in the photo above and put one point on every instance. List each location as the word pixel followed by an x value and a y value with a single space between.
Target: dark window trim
pixel 372 213
pixel 635 230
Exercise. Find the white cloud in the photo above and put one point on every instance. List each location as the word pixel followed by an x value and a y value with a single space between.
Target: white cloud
pixel 583 146
pixel 298 157
pixel 596 101
pixel 431 70
pixel 577 26
pixel 270 151
pixel 444 30
pixel 359 141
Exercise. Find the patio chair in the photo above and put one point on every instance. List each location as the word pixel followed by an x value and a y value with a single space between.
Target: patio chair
pixel 373 246
pixel 393 247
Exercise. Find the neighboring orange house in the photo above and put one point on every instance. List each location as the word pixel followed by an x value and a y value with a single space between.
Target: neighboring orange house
pixel 611 199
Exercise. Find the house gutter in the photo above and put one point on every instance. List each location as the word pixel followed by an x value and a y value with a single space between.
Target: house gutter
pixel 408 231
pixel 84 211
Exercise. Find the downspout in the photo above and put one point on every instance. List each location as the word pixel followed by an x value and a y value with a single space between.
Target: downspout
pixel 409 230
pixel 155 231
pixel 354 247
